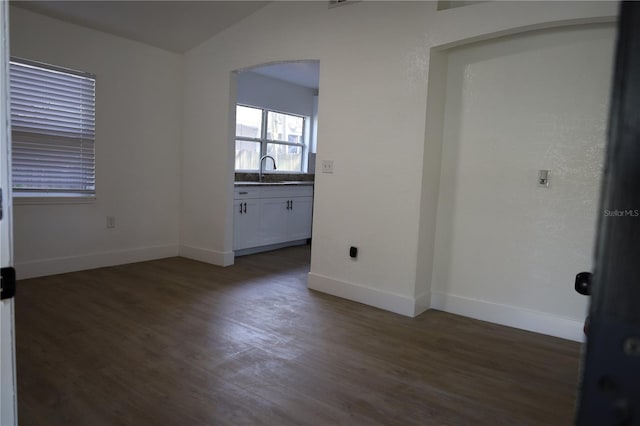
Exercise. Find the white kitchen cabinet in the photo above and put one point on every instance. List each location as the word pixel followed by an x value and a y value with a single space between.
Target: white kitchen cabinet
pixel 271 214
pixel 246 218
pixel 273 220
pixel 299 218
pixel 246 223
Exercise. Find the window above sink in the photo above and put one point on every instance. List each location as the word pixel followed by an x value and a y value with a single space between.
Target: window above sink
pixel 260 131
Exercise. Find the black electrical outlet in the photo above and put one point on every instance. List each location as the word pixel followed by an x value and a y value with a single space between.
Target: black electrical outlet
pixel 353 252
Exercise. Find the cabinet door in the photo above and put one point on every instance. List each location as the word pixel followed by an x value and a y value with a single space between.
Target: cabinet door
pixel 300 217
pixel 273 220
pixel 246 223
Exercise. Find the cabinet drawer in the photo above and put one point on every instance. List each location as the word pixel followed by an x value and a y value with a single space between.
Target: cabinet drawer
pixel 302 191
pixel 287 191
pixel 246 193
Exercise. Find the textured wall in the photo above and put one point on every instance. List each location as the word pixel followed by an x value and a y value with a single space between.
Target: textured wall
pixel 514 106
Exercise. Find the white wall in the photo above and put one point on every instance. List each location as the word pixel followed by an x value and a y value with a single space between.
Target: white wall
pixel 270 93
pixel 138 132
pixel 382 197
pixel 450 4
pixel 513 106
pixel 381 117
pixel 314 128
pixel 373 60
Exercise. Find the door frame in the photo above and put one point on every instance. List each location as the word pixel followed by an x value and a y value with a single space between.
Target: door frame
pixel 8 389
pixel 610 389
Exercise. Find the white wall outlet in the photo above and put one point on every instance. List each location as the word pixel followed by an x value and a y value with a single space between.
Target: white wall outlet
pixel 327 166
pixel 111 221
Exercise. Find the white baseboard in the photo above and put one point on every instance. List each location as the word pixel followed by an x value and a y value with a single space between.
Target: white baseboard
pixel 369 296
pixel 260 249
pixel 220 258
pixel 61 265
pixel 509 315
pixel 422 303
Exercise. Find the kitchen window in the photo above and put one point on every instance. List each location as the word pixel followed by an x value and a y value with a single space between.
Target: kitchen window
pixel 261 132
pixel 52 130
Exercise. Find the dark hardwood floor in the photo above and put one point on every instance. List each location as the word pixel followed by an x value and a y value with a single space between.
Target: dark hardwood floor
pixel 179 342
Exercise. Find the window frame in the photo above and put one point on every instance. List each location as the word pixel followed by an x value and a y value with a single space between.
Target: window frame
pixel 264 141
pixel 55 195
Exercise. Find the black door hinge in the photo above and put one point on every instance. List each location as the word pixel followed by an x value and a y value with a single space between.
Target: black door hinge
pixel 8 283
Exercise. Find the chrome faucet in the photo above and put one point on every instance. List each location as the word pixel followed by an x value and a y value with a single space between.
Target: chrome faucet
pixel 262 163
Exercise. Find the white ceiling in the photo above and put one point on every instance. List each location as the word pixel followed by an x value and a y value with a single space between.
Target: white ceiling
pixel 171 25
pixel 302 73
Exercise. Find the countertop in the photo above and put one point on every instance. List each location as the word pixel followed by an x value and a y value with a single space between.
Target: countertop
pixel 282 183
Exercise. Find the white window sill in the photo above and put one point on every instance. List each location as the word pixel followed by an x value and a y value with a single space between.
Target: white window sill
pixel 52 198
pixel 272 172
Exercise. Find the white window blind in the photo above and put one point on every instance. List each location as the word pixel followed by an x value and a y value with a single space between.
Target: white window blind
pixel 52 128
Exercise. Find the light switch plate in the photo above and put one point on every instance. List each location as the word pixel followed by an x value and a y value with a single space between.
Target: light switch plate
pixel 327 166
pixel 543 178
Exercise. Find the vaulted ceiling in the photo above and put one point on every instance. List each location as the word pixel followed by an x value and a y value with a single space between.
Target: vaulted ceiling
pixel 171 25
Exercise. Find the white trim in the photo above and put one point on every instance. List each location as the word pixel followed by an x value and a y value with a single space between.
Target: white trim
pixel 486 20
pixel 33 199
pixel 397 303
pixel 8 385
pixel 260 249
pixel 214 257
pixel 512 316
pixel 61 265
pixel 421 304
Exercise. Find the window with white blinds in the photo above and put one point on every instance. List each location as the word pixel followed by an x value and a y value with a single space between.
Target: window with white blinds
pixel 53 130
